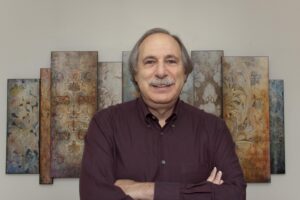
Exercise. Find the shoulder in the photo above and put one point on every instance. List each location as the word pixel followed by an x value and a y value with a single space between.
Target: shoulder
pixel 199 115
pixel 105 121
pixel 115 111
pixel 202 120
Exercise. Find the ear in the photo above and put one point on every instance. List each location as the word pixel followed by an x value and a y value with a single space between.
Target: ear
pixel 134 78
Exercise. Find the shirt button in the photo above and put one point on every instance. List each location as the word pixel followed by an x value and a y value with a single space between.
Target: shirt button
pixel 163 162
pixel 173 125
pixel 162 133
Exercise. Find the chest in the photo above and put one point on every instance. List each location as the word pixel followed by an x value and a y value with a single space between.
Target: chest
pixel 170 154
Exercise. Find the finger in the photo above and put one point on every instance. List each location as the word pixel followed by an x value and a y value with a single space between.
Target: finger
pixel 212 175
pixel 221 182
pixel 218 178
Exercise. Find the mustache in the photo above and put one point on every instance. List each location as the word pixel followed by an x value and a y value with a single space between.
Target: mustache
pixel 161 82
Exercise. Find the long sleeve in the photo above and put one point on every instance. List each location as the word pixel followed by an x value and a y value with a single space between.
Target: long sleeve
pixel 97 170
pixel 222 152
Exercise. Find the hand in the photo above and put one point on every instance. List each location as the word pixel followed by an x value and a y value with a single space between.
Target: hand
pixel 215 177
pixel 136 190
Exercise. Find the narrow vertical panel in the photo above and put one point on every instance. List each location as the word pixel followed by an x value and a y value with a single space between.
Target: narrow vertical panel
pixel 73 103
pixel 22 155
pixel 276 94
pixel 207 80
pixel 109 84
pixel 129 91
pixel 246 112
pixel 45 134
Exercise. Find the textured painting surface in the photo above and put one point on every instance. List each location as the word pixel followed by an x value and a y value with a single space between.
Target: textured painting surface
pixel 109 84
pixel 246 112
pixel 73 103
pixel 22 126
pixel 207 81
pixel 45 134
pixel 277 126
pixel 129 91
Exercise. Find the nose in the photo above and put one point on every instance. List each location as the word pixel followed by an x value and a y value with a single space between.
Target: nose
pixel 161 71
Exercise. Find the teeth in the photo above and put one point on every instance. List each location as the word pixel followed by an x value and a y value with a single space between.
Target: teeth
pixel 160 86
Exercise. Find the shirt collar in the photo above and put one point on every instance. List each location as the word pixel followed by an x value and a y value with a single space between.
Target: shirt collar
pixel 146 114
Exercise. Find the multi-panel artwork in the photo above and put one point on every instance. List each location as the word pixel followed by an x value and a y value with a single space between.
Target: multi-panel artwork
pixel 22 155
pixel 207 81
pixel 73 104
pixel 109 84
pixel 47 119
pixel 246 112
pixel 276 96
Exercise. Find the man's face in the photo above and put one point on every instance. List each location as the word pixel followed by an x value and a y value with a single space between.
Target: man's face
pixel 160 73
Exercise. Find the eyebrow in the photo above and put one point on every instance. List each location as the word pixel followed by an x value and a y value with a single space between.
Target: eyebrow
pixel 149 57
pixel 166 57
pixel 172 56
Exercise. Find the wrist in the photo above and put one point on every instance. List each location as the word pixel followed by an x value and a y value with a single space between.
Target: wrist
pixel 144 190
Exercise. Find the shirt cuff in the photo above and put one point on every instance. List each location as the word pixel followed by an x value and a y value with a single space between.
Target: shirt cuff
pixel 166 191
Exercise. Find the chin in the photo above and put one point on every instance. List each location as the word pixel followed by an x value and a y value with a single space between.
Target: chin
pixel 163 100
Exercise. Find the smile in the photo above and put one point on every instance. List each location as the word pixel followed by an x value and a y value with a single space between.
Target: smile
pixel 162 85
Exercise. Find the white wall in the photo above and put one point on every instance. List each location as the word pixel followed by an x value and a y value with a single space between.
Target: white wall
pixel 31 29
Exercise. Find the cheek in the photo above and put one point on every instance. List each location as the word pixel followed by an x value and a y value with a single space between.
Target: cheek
pixel 181 77
pixel 141 81
pixel 143 77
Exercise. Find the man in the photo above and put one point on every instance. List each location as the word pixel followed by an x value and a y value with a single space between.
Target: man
pixel 158 147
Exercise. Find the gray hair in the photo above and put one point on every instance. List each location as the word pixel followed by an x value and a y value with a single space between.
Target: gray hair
pixel 134 55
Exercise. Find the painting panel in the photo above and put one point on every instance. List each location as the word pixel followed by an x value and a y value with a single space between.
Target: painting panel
pixel 73 103
pixel 207 80
pixel 22 155
pixel 109 84
pixel 129 91
pixel 246 112
pixel 276 95
pixel 45 134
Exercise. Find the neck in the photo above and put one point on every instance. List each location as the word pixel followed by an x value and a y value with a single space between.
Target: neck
pixel 161 111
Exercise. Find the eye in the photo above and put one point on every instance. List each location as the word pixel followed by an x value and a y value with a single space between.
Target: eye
pixel 149 62
pixel 171 61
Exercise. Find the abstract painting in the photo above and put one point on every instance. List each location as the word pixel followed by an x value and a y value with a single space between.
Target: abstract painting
pixel 246 112
pixel 73 103
pixel 276 95
pixel 45 134
pixel 109 84
pixel 129 91
pixel 207 80
pixel 22 155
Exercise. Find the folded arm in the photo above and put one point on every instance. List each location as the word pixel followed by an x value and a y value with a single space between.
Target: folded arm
pixel 228 183
pixel 145 190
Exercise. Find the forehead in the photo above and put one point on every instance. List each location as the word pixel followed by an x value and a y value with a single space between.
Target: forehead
pixel 159 44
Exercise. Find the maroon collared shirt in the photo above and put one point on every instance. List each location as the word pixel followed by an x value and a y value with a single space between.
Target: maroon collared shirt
pixel 126 142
